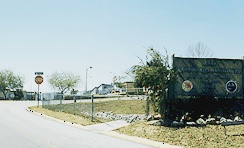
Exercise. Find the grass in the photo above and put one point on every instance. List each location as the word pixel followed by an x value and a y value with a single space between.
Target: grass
pixel 78 119
pixel 210 136
pixel 74 112
pixel 115 106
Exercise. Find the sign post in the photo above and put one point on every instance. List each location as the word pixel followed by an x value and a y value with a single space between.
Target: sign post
pixel 38 80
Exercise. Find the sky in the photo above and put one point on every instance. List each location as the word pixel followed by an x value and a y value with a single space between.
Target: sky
pixel 109 35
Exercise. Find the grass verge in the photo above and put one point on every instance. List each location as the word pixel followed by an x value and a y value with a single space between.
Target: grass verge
pixel 77 119
pixel 210 136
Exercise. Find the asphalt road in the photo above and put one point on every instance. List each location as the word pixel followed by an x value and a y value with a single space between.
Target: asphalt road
pixel 20 128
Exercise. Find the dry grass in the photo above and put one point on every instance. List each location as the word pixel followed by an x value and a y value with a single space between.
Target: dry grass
pixel 122 106
pixel 208 137
pixel 74 112
pixel 78 119
pixel 115 106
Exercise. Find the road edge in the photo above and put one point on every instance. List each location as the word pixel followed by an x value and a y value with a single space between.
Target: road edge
pixel 113 133
pixel 140 140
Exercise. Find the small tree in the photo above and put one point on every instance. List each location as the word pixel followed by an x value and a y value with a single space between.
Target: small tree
pixel 154 75
pixel 63 81
pixel 10 82
pixel 117 81
pixel 199 51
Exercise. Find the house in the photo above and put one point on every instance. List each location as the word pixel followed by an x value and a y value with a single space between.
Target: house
pixel 102 89
pixel 129 86
pixel 29 95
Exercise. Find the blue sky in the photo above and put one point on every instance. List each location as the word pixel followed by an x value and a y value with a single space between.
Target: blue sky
pixel 61 35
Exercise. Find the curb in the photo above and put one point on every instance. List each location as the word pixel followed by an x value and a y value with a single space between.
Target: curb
pixel 113 133
pixel 59 120
pixel 140 140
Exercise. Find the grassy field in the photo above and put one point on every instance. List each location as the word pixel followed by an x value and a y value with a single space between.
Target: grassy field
pixel 210 136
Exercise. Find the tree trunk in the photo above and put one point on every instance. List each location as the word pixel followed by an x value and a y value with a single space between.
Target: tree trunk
pixel 4 94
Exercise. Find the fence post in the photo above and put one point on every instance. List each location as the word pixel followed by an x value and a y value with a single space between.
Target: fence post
pixel 74 103
pixel 43 99
pixel 60 102
pixel 48 103
pixel 92 108
pixel 147 106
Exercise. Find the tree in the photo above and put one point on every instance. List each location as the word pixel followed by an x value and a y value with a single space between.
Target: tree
pixel 63 81
pixel 199 50
pixel 10 82
pixel 154 75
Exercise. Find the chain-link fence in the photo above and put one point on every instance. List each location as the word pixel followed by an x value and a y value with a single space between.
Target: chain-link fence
pixel 52 100
pixel 70 103
pixel 124 107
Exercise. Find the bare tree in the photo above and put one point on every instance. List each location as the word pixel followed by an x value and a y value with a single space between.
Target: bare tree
pixel 199 50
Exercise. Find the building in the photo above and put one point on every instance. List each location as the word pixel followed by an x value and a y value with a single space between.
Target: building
pixel 102 89
pixel 129 87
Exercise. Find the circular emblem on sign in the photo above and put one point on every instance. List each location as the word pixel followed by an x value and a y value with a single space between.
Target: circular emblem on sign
pixel 38 79
pixel 187 86
pixel 231 86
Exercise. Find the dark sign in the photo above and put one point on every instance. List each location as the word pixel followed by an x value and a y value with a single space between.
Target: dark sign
pixel 208 77
pixel 38 73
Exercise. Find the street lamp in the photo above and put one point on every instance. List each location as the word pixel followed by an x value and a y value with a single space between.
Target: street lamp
pixel 86 80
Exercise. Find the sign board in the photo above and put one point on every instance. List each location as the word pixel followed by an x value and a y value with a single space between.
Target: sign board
pixel 38 79
pixel 208 77
pixel 38 73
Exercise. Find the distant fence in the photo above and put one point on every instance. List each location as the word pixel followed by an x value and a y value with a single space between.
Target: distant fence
pixel 133 91
pixel 71 103
pixel 55 101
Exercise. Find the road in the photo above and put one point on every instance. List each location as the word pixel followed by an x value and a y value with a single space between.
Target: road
pixel 21 128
